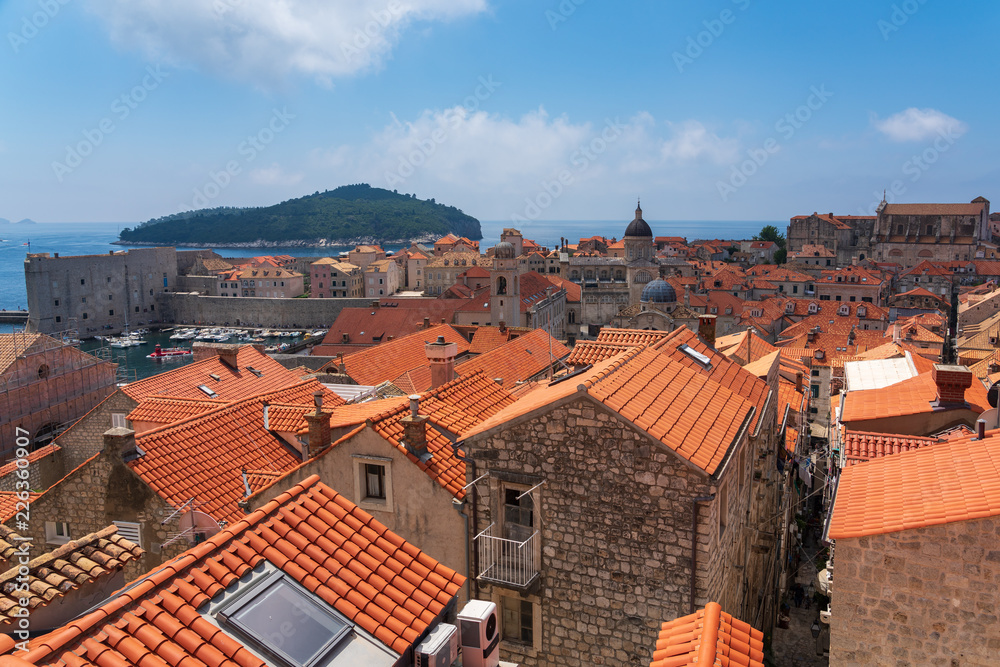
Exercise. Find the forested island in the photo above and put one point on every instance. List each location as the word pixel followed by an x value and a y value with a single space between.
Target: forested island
pixel 348 215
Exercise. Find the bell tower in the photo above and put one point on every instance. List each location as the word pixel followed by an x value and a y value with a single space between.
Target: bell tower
pixel 505 292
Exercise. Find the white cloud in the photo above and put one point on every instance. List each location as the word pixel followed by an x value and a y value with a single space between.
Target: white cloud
pixel 265 41
pixel 919 124
pixel 275 175
pixel 460 156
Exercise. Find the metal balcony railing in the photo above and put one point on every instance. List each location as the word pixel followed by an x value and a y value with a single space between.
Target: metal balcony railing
pixel 507 562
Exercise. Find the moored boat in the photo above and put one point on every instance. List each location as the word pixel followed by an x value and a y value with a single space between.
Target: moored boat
pixel 161 353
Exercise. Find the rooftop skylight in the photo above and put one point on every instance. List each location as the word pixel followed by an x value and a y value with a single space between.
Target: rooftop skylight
pixel 695 354
pixel 207 391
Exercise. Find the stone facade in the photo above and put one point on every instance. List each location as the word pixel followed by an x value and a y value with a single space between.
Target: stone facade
pixel 259 312
pixel 926 596
pixel 848 236
pixel 86 437
pixel 91 293
pixel 613 515
pixel 94 495
pixel 908 234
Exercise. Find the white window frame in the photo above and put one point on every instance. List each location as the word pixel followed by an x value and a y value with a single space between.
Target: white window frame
pixel 57 532
pixel 360 498
pixel 118 420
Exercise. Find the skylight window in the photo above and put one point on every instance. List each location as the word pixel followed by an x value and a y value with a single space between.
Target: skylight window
pixel 209 392
pixel 284 620
pixel 695 354
pixel 255 371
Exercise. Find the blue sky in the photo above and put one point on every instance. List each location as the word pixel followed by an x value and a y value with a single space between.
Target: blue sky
pixel 124 110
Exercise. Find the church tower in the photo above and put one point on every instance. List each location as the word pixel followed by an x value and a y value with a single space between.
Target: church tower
pixel 638 239
pixel 505 292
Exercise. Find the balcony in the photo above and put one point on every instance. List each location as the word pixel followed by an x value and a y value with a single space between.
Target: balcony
pixel 507 562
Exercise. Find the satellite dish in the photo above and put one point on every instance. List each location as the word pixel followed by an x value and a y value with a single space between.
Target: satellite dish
pixel 993 394
pixel 992 418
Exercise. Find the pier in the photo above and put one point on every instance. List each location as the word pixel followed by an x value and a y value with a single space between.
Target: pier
pixel 13 316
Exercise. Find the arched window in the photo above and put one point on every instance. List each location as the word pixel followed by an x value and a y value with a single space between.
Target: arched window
pixel 501 285
pixel 604 275
pixel 575 275
pixel 619 275
pixel 642 277
pixel 589 274
pixel 896 252
pixel 924 253
pixel 572 317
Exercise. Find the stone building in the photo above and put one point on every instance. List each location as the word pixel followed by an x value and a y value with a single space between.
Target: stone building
pixel 270 280
pixel 363 255
pixel 382 278
pixel 443 271
pixel 607 500
pixel 329 278
pixel 91 293
pixel 916 558
pixel 612 283
pixel 908 234
pixel 848 236
pixel 45 385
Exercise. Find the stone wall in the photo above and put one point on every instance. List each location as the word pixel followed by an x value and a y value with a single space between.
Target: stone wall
pixel 42 473
pixel 305 313
pixel 93 496
pixel 918 597
pixel 615 532
pixel 86 437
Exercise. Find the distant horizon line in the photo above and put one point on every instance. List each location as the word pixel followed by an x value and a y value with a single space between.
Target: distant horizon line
pixel 131 222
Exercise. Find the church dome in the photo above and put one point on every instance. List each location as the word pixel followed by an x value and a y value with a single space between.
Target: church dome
pixel 504 250
pixel 658 291
pixel 638 226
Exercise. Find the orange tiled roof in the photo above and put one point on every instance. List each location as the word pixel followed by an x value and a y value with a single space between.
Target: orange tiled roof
pixel 950 481
pixel 909 397
pixel 858 446
pixel 487 338
pixel 735 346
pixel 708 637
pixel 629 336
pixel 13 345
pixel 32 457
pixel 791 439
pixel 696 416
pixel 591 352
pixel 164 410
pixel 9 502
pixel 391 359
pixel 520 359
pixel 232 385
pixel 455 407
pixel 203 457
pixel 66 568
pixel 384 585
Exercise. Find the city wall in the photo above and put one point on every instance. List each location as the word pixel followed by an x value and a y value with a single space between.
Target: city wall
pixel 306 313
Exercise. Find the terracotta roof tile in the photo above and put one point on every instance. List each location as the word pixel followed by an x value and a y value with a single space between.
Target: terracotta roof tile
pixel 947 482
pixel 33 457
pixel 629 336
pixel 12 345
pixel 391 359
pixel 858 446
pixel 9 504
pixel 591 352
pixel 203 457
pixel 519 359
pixel 485 338
pixel 709 636
pixel 909 397
pixel 385 586
pixel 232 385
pixel 64 569
pixel 163 410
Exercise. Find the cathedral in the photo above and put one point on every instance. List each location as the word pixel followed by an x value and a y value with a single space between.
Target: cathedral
pixel 611 284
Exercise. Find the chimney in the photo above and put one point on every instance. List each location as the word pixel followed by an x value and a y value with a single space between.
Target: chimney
pixel 980 429
pixel 427 323
pixel 415 430
pixel 687 296
pixel 267 420
pixel 319 429
pixel 341 366
pixel 503 327
pixel 706 329
pixel 441 356
pixel 119 443
pixel 895 332
pixel 225 351
pixel 798 381
pixel 951 381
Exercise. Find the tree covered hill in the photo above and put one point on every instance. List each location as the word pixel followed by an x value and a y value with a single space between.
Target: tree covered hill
pixel 347 215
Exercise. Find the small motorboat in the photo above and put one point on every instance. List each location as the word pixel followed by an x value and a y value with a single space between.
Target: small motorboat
pixel 162 353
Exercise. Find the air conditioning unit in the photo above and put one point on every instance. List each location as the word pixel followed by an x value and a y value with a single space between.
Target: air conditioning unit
pixel 439 648
pixel 479 634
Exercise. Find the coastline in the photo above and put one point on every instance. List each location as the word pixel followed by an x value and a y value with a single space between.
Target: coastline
pixel 292 243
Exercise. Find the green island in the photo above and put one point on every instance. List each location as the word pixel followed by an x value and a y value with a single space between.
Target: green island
pixel 348 215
